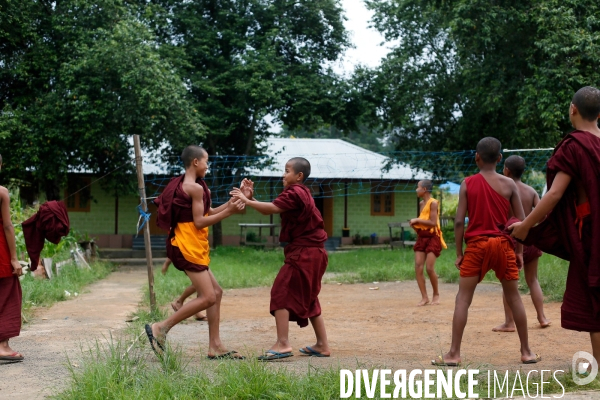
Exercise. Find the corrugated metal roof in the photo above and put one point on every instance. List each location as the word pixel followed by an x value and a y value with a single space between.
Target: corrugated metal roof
pixel 335 159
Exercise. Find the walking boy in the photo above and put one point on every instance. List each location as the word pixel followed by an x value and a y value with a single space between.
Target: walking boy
pixel 514 166
pixel 294 295
pixel 184 209
pixel 572 204
pixel 487 197
pixel 429 241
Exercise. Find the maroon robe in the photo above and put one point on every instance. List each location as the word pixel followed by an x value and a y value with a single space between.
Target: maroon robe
pixel 51 223
pixel 174 206
pixel 577 155
pixel 298 283
pixel 10 307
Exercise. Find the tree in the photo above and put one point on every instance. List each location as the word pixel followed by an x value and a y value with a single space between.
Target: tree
pixel 463 70
pixel 83 77
pixel 249 59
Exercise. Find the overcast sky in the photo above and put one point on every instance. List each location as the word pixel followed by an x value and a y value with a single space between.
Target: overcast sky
pixel 366 40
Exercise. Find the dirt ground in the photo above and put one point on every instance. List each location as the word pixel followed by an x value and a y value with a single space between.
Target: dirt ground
pixel 365 327
pixel 384 328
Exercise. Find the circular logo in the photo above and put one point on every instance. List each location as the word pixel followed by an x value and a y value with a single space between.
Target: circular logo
pixel 582 375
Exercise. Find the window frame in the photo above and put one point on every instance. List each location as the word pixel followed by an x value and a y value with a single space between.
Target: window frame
pixel 86 181
pixel 383 213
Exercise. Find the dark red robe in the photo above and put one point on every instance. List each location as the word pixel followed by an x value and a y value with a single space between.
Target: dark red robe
pixel 51 223
pixel 298 283
pixel 174 206
pixel 10 294
pixel 577 155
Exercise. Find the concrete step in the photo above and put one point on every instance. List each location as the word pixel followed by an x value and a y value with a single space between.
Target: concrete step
pixel 131 253
pixel 135 262
pixel 156 241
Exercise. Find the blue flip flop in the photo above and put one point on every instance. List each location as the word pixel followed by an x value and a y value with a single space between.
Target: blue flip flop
pixel 271 355
pixel 312 352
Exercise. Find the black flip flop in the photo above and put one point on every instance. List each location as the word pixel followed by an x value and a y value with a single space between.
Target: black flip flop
pixel 230 355
pixel 153 340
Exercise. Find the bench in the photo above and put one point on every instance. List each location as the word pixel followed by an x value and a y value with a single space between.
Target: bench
pixel 274 237
pixel 399 243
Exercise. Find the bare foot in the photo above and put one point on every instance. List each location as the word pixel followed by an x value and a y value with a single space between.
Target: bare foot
pixel 200 317
pixel 436 300
pixel 222 352
pixel 423 302
pixel 159 334
pixel 530 358
pixel 176 305
pixel 316 350
pixel 544 323
pixel 446 360
pixel 164 268
pixel 278 347
pixel 504 328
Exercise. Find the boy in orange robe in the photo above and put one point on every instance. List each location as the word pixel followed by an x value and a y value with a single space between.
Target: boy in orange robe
pixel 184 209
pixel 10 287
pixel 429 241
pixel 572 206
pixel 514 166
pixel 487 197
pixel 294 295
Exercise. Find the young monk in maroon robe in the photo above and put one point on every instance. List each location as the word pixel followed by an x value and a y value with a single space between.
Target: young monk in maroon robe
pixel 10 288
pixel 514 166
pixel 572 206
pixel 184 209
pixel 294 295
pixel 488 198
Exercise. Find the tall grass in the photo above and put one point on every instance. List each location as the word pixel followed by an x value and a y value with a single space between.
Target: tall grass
pixel 108 371
pixel 246 267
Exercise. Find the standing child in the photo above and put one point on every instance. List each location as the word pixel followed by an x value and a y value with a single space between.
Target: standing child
pixel 572 205
pixel 184 209
pixel 487 197
pixel 294 295
pixel 10 287
pixel 429 241
pixel 514 166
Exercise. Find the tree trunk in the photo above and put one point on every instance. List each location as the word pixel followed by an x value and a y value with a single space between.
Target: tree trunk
pixel 217 235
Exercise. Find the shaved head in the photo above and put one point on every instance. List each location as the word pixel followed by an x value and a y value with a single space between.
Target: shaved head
pixel 190 153
pixel 427 184
pixel 489 149
pixel 516 165
pixel 587 101
pixel 300 164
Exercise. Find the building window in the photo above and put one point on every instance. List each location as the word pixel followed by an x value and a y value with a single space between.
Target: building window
pixel 382 204
pixel 78 194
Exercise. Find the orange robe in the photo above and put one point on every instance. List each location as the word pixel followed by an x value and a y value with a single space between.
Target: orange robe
pixel 429 240
pixel 489 247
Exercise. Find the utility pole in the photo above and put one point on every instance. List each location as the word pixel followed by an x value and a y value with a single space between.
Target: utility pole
pixel 142 191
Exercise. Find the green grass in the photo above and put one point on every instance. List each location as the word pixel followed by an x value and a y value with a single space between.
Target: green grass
pixel 108 371
pixel 45 292
pixel 236 267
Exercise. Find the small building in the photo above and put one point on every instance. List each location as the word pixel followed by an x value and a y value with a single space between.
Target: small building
pixel 355 189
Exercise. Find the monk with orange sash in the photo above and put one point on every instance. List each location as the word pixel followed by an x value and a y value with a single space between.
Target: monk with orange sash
pixel 294 295
pixel 572 206
pixel 430 241
pixel 487 197
pixel 10 288
pixel 184 208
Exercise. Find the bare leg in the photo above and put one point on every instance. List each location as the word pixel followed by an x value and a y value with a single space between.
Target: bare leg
pixel 419 264
pixel 537 297
pixel 176 305
pixel 215 347
pixel 513 299
pixel 509 322
pixel 207 297
pixel 322 346
pixel 165 266
pixel 433 278
pixel 466 288
pixel 595 337
pixel 282 322
pixel 5 349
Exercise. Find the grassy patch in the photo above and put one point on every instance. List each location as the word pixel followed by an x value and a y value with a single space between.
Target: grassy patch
pixel 236 267
pixel 45 292
pixel 110 372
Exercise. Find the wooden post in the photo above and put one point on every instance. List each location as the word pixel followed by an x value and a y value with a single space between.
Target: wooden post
pixel 147 244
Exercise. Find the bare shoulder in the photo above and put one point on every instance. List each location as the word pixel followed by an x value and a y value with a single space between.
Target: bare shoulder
pixel 193 189
pixel 3 192
pixel 525 189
